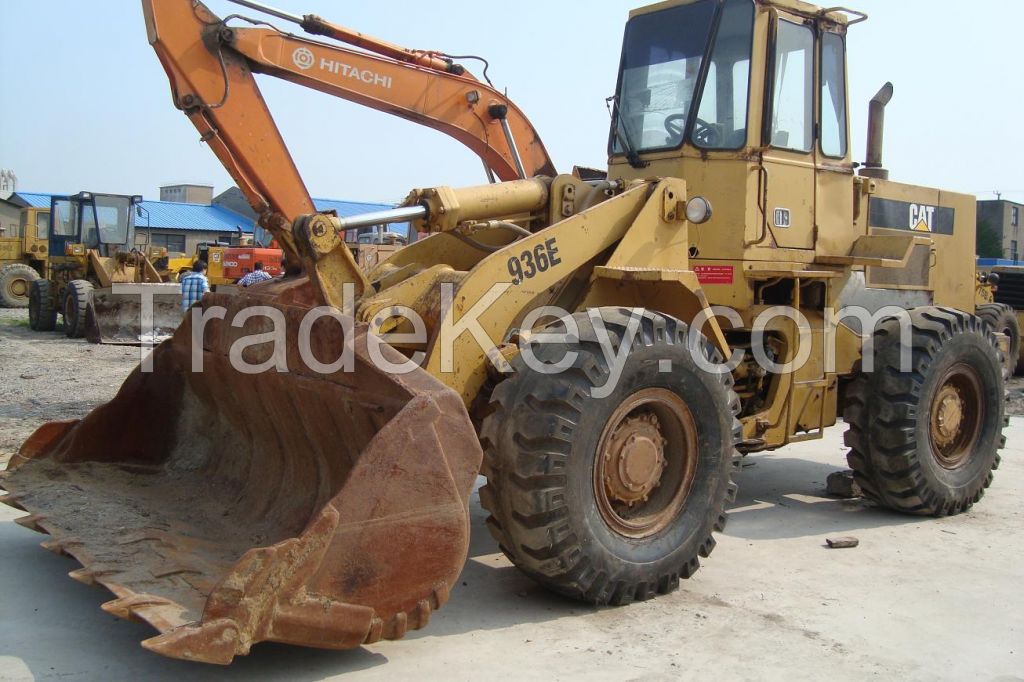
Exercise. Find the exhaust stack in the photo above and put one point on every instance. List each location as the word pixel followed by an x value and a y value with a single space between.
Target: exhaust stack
pixel 873 167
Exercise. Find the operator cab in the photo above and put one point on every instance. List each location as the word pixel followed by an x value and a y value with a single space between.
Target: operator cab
pixel 669 62
pixel 88 221
pixel 756 89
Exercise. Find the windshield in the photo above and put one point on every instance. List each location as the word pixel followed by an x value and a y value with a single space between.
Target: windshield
pixel 113 219
pixel 661 61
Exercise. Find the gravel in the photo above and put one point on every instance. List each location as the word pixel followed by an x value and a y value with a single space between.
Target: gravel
pixel 45 376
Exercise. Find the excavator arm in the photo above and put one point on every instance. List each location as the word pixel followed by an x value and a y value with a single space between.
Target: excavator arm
pixel 211 68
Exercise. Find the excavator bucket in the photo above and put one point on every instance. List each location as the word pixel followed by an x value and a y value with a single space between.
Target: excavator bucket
pixel 117 317
pixel 226 507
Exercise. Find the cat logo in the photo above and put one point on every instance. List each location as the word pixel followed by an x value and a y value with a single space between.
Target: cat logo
pixel 921 217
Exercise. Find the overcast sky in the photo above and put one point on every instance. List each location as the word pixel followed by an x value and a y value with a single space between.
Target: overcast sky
pixel 86 105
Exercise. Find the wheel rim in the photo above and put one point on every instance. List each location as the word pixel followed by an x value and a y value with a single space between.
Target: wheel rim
pixel 957 412
pixel 646 462
pixel 18 287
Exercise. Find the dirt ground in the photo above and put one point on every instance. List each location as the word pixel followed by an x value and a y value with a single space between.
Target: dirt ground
pixel 47 376
pixel 919 599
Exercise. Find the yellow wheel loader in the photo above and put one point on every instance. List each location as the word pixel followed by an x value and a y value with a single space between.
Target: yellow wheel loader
pixel 603 351
pixel 1000 302
pixel 23 257
pixel 93 254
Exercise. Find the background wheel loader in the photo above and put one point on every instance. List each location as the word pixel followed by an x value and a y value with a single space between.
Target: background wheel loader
pixel 330 509
pixel 92 248
pixel 23 257
pixel 1000 302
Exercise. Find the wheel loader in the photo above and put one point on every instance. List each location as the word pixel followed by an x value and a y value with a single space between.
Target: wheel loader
pixel 603 351
pixel 92 252
pixel 1000 303
pixel 23 257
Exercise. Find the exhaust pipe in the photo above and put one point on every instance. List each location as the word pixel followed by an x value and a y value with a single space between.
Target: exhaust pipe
pixel 873 167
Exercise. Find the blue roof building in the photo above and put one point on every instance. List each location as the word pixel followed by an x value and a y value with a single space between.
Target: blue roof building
pixel 181 226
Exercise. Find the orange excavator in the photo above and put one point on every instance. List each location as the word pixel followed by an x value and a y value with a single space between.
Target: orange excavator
pixel 215 88
pixel 294 514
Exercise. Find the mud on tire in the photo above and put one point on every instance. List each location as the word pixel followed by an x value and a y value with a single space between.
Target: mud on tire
pixel 550 512
pixel 926 441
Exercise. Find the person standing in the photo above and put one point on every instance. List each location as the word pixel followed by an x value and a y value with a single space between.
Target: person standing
pixel 194 285
pixel 257 275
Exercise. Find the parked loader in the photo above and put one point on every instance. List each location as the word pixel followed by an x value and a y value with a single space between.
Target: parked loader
pixel 330 507
pixel 1000 302
pixel 23 257
pixel 91 249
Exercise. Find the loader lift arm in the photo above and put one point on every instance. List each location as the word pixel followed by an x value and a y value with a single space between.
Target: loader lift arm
pixel 211 66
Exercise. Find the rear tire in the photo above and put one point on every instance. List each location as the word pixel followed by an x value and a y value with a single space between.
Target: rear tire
pixel 42 315
pixel 926 441
pixel 77 297
pixel 16 284
pixel 582 497
pixel 1003 320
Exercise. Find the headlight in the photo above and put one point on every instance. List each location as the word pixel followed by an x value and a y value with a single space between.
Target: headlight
pixel 698 210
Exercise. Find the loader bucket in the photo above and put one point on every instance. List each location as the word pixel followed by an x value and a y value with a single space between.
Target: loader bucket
pixel 226 508
pixel 118 318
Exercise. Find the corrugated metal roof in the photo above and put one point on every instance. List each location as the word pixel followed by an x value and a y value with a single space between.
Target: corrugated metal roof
pixel 172 215
pixel 35 200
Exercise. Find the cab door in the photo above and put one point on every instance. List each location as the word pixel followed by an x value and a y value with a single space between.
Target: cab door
pixel 63 224
pixel 789 132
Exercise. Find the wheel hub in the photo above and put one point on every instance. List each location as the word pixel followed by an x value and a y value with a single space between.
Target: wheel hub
pixel 635 459
pixel 645 463
pixel 949 416
pixel 18 287
pixel 957 413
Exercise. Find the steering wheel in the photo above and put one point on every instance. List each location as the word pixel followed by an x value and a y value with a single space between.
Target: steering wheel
pixel 704 134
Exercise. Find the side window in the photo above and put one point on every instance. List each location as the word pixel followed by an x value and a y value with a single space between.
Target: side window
pixel 722 117
pixel 63 220
pixel 42 224
pixel 792 123
pixel 833 96
pixel 90 236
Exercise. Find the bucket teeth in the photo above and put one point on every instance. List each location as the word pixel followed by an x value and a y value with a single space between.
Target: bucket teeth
pixel 54 546
pixel 134 606
pixel 83 575
pixel 12 500
pixel 32 522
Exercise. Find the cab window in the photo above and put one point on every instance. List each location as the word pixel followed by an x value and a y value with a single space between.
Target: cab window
pixel 42 224
pixel 63 219
pixel 833 96
pixel 792 110
pixel 722 117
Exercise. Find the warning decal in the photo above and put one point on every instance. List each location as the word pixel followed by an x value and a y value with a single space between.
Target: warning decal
pixel 714 274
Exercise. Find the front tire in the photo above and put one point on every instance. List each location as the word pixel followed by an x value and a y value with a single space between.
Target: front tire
pixel 926 441
pixel 77 297
pixel 611 499
pixel 42 315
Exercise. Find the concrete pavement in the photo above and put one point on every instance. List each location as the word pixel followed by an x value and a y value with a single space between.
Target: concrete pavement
pixel 920 599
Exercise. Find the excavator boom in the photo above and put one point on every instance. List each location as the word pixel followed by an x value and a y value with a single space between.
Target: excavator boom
pixel 211 65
